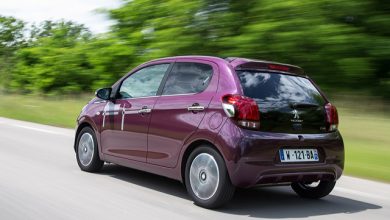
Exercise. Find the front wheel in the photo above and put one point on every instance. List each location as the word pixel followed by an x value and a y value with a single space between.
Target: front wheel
pixel 206 178
pixel 313 190
pixel 87 153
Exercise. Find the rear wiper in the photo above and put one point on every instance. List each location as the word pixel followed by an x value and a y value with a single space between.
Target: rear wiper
pixel 303 105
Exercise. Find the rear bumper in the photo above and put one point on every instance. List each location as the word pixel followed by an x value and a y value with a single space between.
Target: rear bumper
pixel 252 157
pixel 246 175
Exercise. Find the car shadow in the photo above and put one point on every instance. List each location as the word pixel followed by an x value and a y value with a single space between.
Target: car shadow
pixel 282 202
pixel 148 180
pixel 260 202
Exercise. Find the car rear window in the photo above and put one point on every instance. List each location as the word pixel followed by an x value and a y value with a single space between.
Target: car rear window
pixel 278 90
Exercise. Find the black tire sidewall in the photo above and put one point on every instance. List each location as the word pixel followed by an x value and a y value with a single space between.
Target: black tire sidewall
pixel 323 189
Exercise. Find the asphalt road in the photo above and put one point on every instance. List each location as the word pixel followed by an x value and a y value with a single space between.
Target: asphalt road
pixel 40 179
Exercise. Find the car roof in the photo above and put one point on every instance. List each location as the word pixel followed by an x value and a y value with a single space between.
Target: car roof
pixel 235 62
pixel 198 57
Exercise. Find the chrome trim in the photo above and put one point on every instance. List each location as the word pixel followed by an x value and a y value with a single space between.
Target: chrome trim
pixel 100 101
pixel 104 119
pixel 143 97
pixel 144 111
pixel 156 96
pixel 123 118
pixel 195 108
pixel 182 94
pixel 112 113
pixel 130 112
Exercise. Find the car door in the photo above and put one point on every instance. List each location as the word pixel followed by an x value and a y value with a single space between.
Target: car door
pixel 127 117
pixel 180 109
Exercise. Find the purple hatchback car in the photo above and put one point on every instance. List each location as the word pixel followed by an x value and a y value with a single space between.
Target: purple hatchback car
pixel 216 124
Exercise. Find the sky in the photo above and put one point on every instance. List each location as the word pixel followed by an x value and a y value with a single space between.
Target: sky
pixel 80 11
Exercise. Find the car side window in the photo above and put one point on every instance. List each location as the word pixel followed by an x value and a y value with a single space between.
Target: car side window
pixel 187 77
pixel 145 82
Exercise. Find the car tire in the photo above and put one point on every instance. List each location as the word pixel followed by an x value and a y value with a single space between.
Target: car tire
pixel 206 178
pixel 306 190
pixel 87 153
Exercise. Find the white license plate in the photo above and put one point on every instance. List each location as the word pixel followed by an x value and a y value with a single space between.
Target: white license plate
pixel 298 155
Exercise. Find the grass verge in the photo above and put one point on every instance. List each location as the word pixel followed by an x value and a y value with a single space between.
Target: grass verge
pixel 367 144
pixel 59 112
pixel 366 134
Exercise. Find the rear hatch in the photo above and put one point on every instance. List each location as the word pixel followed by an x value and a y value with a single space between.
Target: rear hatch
pixel 288 103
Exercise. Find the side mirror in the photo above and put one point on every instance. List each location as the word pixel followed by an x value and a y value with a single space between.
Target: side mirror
pixel 103 93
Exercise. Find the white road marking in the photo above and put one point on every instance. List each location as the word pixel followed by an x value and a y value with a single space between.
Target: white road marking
pixel 39 129
pixel 360 193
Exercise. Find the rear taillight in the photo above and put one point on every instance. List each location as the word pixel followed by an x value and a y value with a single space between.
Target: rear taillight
pixel 332 118
pixel 243 109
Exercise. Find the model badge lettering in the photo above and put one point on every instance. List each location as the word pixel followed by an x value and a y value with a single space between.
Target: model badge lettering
pixel 295 116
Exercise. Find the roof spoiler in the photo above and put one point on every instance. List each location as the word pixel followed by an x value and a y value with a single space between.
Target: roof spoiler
pixel 258 65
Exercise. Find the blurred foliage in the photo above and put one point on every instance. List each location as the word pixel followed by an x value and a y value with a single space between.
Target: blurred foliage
pixel 11 39
pixel 54 59
pixel 344 45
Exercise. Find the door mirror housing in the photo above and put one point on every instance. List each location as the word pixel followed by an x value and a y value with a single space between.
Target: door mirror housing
pixel 103 93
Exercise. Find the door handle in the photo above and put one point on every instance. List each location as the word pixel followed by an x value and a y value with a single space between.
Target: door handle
pixel 144 110
pixel 195 108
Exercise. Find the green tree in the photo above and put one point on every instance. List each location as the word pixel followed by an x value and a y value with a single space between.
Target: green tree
pixel 56 60
pixel 11 39
pixel 339 43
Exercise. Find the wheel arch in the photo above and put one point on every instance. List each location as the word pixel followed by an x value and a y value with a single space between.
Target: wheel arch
pixel 191 147
pixel 79 128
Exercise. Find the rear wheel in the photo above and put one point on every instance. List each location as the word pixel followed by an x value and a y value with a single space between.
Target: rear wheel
pixel 313 190
pixel 87 153
pixel 206 178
